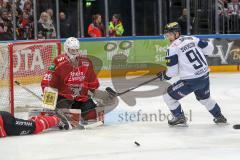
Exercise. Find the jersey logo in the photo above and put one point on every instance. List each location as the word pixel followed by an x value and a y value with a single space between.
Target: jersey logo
pixel 19 123
pixel 76 89
pixel 25 132
pixel 75 79
pixel 52 67
pixel 188 46
pixel 76 76
pixel 178 86
pixel 172 60
pixel 60 59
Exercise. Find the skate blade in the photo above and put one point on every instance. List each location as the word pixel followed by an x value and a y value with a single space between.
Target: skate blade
pixel 183 125
pixel 223 124
pixel 90 126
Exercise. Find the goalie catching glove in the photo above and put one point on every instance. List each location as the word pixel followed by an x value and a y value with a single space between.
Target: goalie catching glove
pixel 102 98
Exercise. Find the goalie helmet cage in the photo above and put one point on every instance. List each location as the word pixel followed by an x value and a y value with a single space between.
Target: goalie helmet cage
pixel 25 62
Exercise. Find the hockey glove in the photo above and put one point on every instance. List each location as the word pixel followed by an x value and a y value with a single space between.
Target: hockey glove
pixel 162 76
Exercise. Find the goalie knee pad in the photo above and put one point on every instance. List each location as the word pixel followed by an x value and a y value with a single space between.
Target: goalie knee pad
pixel 209 103
pixel 171 103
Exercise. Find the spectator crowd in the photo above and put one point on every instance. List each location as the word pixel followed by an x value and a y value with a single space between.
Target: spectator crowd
pixel 46 26
pixel 228 11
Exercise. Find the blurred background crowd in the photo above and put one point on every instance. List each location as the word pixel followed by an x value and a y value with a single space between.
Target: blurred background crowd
pixel 50 19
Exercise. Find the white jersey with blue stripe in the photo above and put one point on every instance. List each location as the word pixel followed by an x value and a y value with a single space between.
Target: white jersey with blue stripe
pixel 186 57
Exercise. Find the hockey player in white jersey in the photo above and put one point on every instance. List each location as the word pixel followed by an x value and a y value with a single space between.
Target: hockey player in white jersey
pixel 186 58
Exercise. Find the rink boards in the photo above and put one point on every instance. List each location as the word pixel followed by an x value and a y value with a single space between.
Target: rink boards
pixel 117 57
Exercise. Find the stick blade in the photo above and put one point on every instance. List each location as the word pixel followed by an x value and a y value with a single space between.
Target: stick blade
pixel 111 92
pixel 91 126
pixel 17 83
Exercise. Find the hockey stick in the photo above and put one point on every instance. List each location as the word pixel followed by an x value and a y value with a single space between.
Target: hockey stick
pixel 113 93
pixel 28 90
pixel 90 126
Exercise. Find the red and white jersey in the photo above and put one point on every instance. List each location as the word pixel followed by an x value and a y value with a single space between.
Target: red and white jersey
pixel 72 82
pixel 48 75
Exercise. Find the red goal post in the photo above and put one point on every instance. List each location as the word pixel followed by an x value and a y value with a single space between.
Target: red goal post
pixel 26 62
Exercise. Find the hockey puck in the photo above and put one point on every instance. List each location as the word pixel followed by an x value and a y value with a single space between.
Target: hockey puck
pixel 236 126
pixel 137 144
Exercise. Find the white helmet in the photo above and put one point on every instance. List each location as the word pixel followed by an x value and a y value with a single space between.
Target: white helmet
pixel 71 47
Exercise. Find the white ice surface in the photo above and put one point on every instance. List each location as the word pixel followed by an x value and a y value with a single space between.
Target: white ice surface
pixel 201 140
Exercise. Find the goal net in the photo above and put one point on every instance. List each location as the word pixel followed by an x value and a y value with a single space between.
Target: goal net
pixel 25 62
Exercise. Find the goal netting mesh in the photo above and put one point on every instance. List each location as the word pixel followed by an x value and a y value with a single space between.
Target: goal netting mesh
pixel 30 60
pixel 4 78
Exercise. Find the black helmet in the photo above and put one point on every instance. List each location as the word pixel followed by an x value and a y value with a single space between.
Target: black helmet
pixel 172 27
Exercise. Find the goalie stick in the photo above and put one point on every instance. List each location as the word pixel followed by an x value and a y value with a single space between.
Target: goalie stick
pixel 113 93
pixel 40 98
pixel 90 126
pixel 28 90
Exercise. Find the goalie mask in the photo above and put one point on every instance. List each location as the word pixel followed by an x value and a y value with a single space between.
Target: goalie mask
pixel 71 48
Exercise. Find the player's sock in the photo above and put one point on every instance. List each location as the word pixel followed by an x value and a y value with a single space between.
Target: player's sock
pixel 2 130
pixel 216 111
pixel 217 114
pixel 173 105
pixel 177 112
pixel 211 106
pixel 44 122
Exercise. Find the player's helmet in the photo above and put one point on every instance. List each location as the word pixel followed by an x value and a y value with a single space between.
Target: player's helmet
pixel 71 47
pixel 172 27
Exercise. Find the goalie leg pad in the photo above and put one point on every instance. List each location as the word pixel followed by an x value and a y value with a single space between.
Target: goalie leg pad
pixel 87 109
